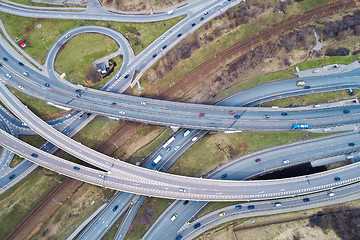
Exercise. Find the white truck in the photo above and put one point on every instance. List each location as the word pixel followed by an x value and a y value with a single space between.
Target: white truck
pixel 157 160
pixel 170 12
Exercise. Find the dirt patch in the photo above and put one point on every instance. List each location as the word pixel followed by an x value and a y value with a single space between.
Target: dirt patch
pixel 139 5
pixel 63 2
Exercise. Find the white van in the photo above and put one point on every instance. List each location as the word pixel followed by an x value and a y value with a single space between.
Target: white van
pixel 170 12
pixel 173 217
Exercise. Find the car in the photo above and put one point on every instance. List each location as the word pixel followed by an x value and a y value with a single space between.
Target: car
pixel 21 64
pixel 258 160
pixel 188 222
pixel 194 139
pixel 201 114
pixel 25 74
pixel 78 96
pixel 163 47
pixel 301 83
pixel 88 115
pixel 117 77
pixel 34 155
pixel 179 35
pixel 67 36
pixel 126 76
pixel 179 237
pixel 113 104
pixel 5 59
pixel 8 75
pixel 206 13
pixel 47 84
pixel 182 190
pixel 286 161
pixel 101 176
pixel 351 144
pixel 122 112
pixel 168 149
pixel 163 37
pixel 78 90
pixel 231 112
pixel 251 207
pixel 1 65
pixel 154 56
pixel 283 114
pixel 177 147
pixel 193 24
pixel 307 87
pixel 69 115
pixel 337 179
pixel 238 207
pixel 21 87
pixel 115 208
pixel 331 194
pixel 81 116
pixel 12 176
pixel 221 214
pixel 143 103
pixel 186 202
pixel 266 116
pixel 224 175
pixel 201 19
pixel 346 111
pixel 237 116
pixel 306 200
pixel 76 168
pixel 173 217
pixel 197 225
pixel 278 204
pixel 131 203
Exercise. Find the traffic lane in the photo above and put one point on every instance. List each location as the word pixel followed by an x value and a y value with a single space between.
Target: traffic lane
pixel 295 203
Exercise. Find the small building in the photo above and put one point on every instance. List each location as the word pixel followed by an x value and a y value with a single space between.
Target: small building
pixel 101 68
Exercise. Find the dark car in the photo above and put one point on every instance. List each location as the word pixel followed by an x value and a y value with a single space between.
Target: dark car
pixel 163 47
pixel 154 56
pixel 237 116
pixel 34 155
pixel 47 84
pixel 5 59
pixel 306 200
pixel 78 96
pixel 201 19
pixel 168 149
pixel 238 207
pixel 224 175
pixel 12 176
pixel 116 207
pixel 126 76
pixel 77 90
pixel 186 202
pixel 193 24
pixel 179 237
pixel 76 168
pixel 201 114
pixel 337 178
pixel 1 65
pixel 351 144
pixel 284 114
pixel 113 103
pixel 81 116
pixel 307 87
pixel 346 111
pixel 266 116
pixel 179 35
pixel 258 160
pixel 251 207
pixel 21 64
pixel 197 225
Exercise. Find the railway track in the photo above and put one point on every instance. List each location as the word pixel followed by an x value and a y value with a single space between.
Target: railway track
pixel 214 64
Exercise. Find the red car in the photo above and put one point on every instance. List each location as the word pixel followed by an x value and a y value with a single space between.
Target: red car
pixel 231 112
pixel 201 114
pixel 257 160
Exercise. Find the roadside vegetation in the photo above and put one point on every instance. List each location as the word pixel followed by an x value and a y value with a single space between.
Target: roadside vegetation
pixel 148 213
pixel 21 199
pixel 39 107
pixel 31 3
pixel 140 5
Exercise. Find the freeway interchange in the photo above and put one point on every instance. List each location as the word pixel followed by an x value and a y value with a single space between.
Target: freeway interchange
pixel 137 180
